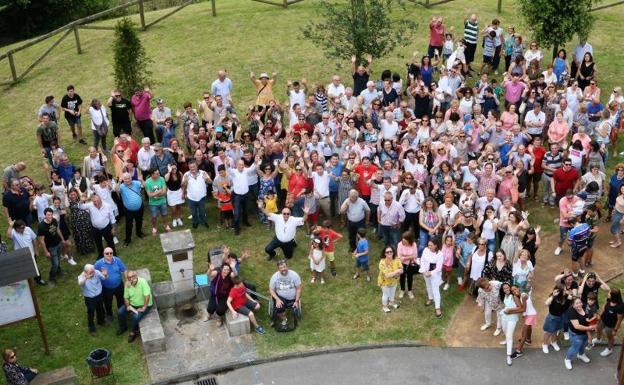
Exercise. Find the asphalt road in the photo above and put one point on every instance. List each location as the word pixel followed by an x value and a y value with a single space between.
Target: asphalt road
pixel 427 365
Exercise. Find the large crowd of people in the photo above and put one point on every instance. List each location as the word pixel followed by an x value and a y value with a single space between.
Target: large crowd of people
pixel 439 165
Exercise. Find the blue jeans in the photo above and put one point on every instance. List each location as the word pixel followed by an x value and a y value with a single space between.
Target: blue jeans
pixel 55 261
pixel 491 244
pixel 615 222
pixel 578 342
pixel 423 239
pixel 122 313
pixel 240 209
pixel 390 235
pixel 198 211
pixel 297 209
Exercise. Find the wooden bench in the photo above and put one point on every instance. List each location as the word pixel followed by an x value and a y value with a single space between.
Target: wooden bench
pixel 62 376
pixel 152 333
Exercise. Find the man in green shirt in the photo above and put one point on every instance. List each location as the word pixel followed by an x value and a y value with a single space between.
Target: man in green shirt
pixel 156 190
pixel 138 301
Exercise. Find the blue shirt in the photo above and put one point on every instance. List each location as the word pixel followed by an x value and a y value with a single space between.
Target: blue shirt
pixel 131 195
pixel 579 235
pixel 92 287
pixel 335 171
pixel 66 172
pixel 362 246
pixel 115 270
pixel 503 151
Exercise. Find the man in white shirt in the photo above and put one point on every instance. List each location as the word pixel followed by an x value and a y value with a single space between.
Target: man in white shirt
pixel 568 115
pixel 348 101
pixel 240 190
pixel 411 199
pixel 159 115
pixel 369 94
pixel 296 95
pixel 194 189
pixel 389 128
pixel 535 120
pixel 22 237
pixel 144 156
pixel 321 188
pixel 285 231
pixel 222 86
pixel 102 220
pixel 335 89
pixel 489 199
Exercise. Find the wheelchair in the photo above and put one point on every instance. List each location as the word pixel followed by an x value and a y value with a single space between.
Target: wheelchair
pixel 296 316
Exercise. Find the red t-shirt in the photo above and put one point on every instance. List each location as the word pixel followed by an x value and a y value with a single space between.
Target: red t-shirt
pixel 299 128
pixel 328 236
pixel 238 295
pixel 436 38
pixel 365 174
pixel 564 180
pixel 297 183
pixel 538 154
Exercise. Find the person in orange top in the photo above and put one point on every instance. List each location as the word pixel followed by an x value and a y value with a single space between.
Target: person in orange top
pixel 264 91
pixel 365 172
pixel 328 236
pixel 558 131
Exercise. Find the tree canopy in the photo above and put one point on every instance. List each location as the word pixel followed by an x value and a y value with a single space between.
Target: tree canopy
pixel 131 61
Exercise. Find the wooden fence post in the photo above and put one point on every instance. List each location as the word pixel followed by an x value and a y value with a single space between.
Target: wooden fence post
pixel 142 14
pixel 285 3
pixel 499 6
pixel 214 8
pixel 12 65
pixel 77 36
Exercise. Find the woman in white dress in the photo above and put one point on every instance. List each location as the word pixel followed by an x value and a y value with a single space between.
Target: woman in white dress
pixel 103 188
pixel 175 198
pixel 99 123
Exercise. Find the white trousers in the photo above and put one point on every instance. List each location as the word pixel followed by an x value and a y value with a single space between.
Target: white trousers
pixel 509 325
pixel 433 288
pixel 387 294
pixel 488 316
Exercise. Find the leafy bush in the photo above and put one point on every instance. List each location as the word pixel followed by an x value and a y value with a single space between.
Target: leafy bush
pixel 131 61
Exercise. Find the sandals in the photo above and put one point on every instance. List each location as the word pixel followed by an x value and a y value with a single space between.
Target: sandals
pixel 428 302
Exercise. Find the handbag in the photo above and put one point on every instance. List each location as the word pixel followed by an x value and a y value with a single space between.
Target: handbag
pixel 101 129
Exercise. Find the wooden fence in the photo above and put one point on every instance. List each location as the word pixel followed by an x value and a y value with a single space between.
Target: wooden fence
pixel 75 27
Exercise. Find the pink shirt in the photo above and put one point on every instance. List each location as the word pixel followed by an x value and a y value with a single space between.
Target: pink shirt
pixel 557 132
pixel 508 120
pixel 141 106
pixel 565 208
pixel 407 250
pixel 448 252
pixel 437 35
pixel 513 91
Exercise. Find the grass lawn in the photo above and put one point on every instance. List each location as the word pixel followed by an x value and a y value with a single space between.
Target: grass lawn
pixel 188 49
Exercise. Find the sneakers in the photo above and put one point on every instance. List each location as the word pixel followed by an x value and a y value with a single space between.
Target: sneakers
pixel 517 354
pixel 605 353
pixel 368 278
pixel 558 251
pixel 260 330
pixel 385 309
pixel 484 327
pixel 322 281
pixel 179 220
pixel 566 336
pixel 115 240
pixel 545 348
pixel 355 276
pixel 70 260
pixel 555 346
pixel 401 294
pixel 395 305
pixel 333 272
pixel 508 360
pixel 497 332
pixel 174 223
pixel 503 342
pixel 596 341
pixel 410 295
pixel 583 357
pixel 567 363
pixel 313 280
pixel 446 286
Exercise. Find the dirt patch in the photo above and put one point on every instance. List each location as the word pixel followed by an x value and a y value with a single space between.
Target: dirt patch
pixel 463 330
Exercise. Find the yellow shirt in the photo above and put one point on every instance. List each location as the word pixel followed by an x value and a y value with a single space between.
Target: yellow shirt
pixel 384 269
pixel 264 93
pixel 270 205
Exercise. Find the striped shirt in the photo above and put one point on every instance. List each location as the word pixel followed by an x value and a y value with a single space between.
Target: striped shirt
pixel 471 31
pixel 552 161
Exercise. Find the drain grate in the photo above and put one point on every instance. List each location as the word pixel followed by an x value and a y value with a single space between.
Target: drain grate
pixel 207 381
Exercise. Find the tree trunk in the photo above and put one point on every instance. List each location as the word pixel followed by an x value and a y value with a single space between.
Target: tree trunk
pixel 555 50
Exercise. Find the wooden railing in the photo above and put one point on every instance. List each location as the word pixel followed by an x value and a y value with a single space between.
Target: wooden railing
pixel 74 27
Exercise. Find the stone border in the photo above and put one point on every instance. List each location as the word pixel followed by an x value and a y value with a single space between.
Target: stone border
pixel 192 376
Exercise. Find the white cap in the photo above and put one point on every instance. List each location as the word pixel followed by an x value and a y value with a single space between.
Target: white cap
pixel 264 75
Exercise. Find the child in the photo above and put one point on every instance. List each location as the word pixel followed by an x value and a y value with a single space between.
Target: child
pixel 464 251
pixel 591 309
pixel 311 202
pixel 59 214
pixel 448 48
pixel 489 47
pixel 592 218
pixel 328 236
pixel 530 320
pixel 317 260
pixel 41 201
pixel 270 205
pixel 240 302
pixel 447 264
pixel 498 90
pixel 361 255
pixel 225 206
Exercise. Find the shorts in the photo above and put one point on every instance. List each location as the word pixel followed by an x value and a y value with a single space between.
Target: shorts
pixel 330 256
pixel 247 308
pixel 361 265
pixel 158 209
pixel 448 268
pixel 74 121
pixel 578 253
pixel 228 214
pixel 488 59
pixel 563 233
pixel 530 320
pixel 608 331
pixel 552 324
pixel 616 226
pixel 287 303
pixel 313 217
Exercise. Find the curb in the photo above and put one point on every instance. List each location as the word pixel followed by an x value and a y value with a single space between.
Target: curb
pixel 192 376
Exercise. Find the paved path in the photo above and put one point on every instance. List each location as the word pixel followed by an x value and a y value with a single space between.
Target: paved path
pixel 424 365
pixel 463 330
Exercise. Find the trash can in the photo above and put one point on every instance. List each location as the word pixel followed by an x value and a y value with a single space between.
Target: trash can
pixel 99 362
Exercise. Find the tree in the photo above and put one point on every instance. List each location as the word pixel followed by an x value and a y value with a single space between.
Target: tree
pixel 131 61
pixel 555 22
pixel 359 27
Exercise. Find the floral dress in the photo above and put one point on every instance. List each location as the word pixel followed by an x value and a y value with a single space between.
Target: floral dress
pixel 344 186
pixel 80 225
pixel 511 241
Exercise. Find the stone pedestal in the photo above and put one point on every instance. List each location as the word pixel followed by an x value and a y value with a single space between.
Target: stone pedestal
pixel 178 248
pixel 237 326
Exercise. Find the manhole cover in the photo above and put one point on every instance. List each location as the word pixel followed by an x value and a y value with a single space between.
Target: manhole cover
pixel 207 381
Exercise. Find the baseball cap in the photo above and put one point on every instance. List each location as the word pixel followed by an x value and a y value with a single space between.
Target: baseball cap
pixel 219 129
pixel 264 75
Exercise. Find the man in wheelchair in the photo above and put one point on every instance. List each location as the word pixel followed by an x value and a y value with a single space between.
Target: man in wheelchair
pixel 285 288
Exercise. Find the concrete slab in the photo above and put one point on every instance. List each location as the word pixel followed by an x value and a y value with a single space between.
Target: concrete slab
pixel 62 376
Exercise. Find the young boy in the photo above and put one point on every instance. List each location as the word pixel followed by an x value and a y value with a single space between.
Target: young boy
pixel 239 302
pixel 592 218
pixel 327 234
pixel 361 255
pixel 463 252
pixel 591 309
pixel 40 202
pixel 489 47
pixel 225 206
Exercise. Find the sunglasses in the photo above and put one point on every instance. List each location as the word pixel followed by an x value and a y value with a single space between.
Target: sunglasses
pixel 110 253
pixel 389 252
pixel 285 213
